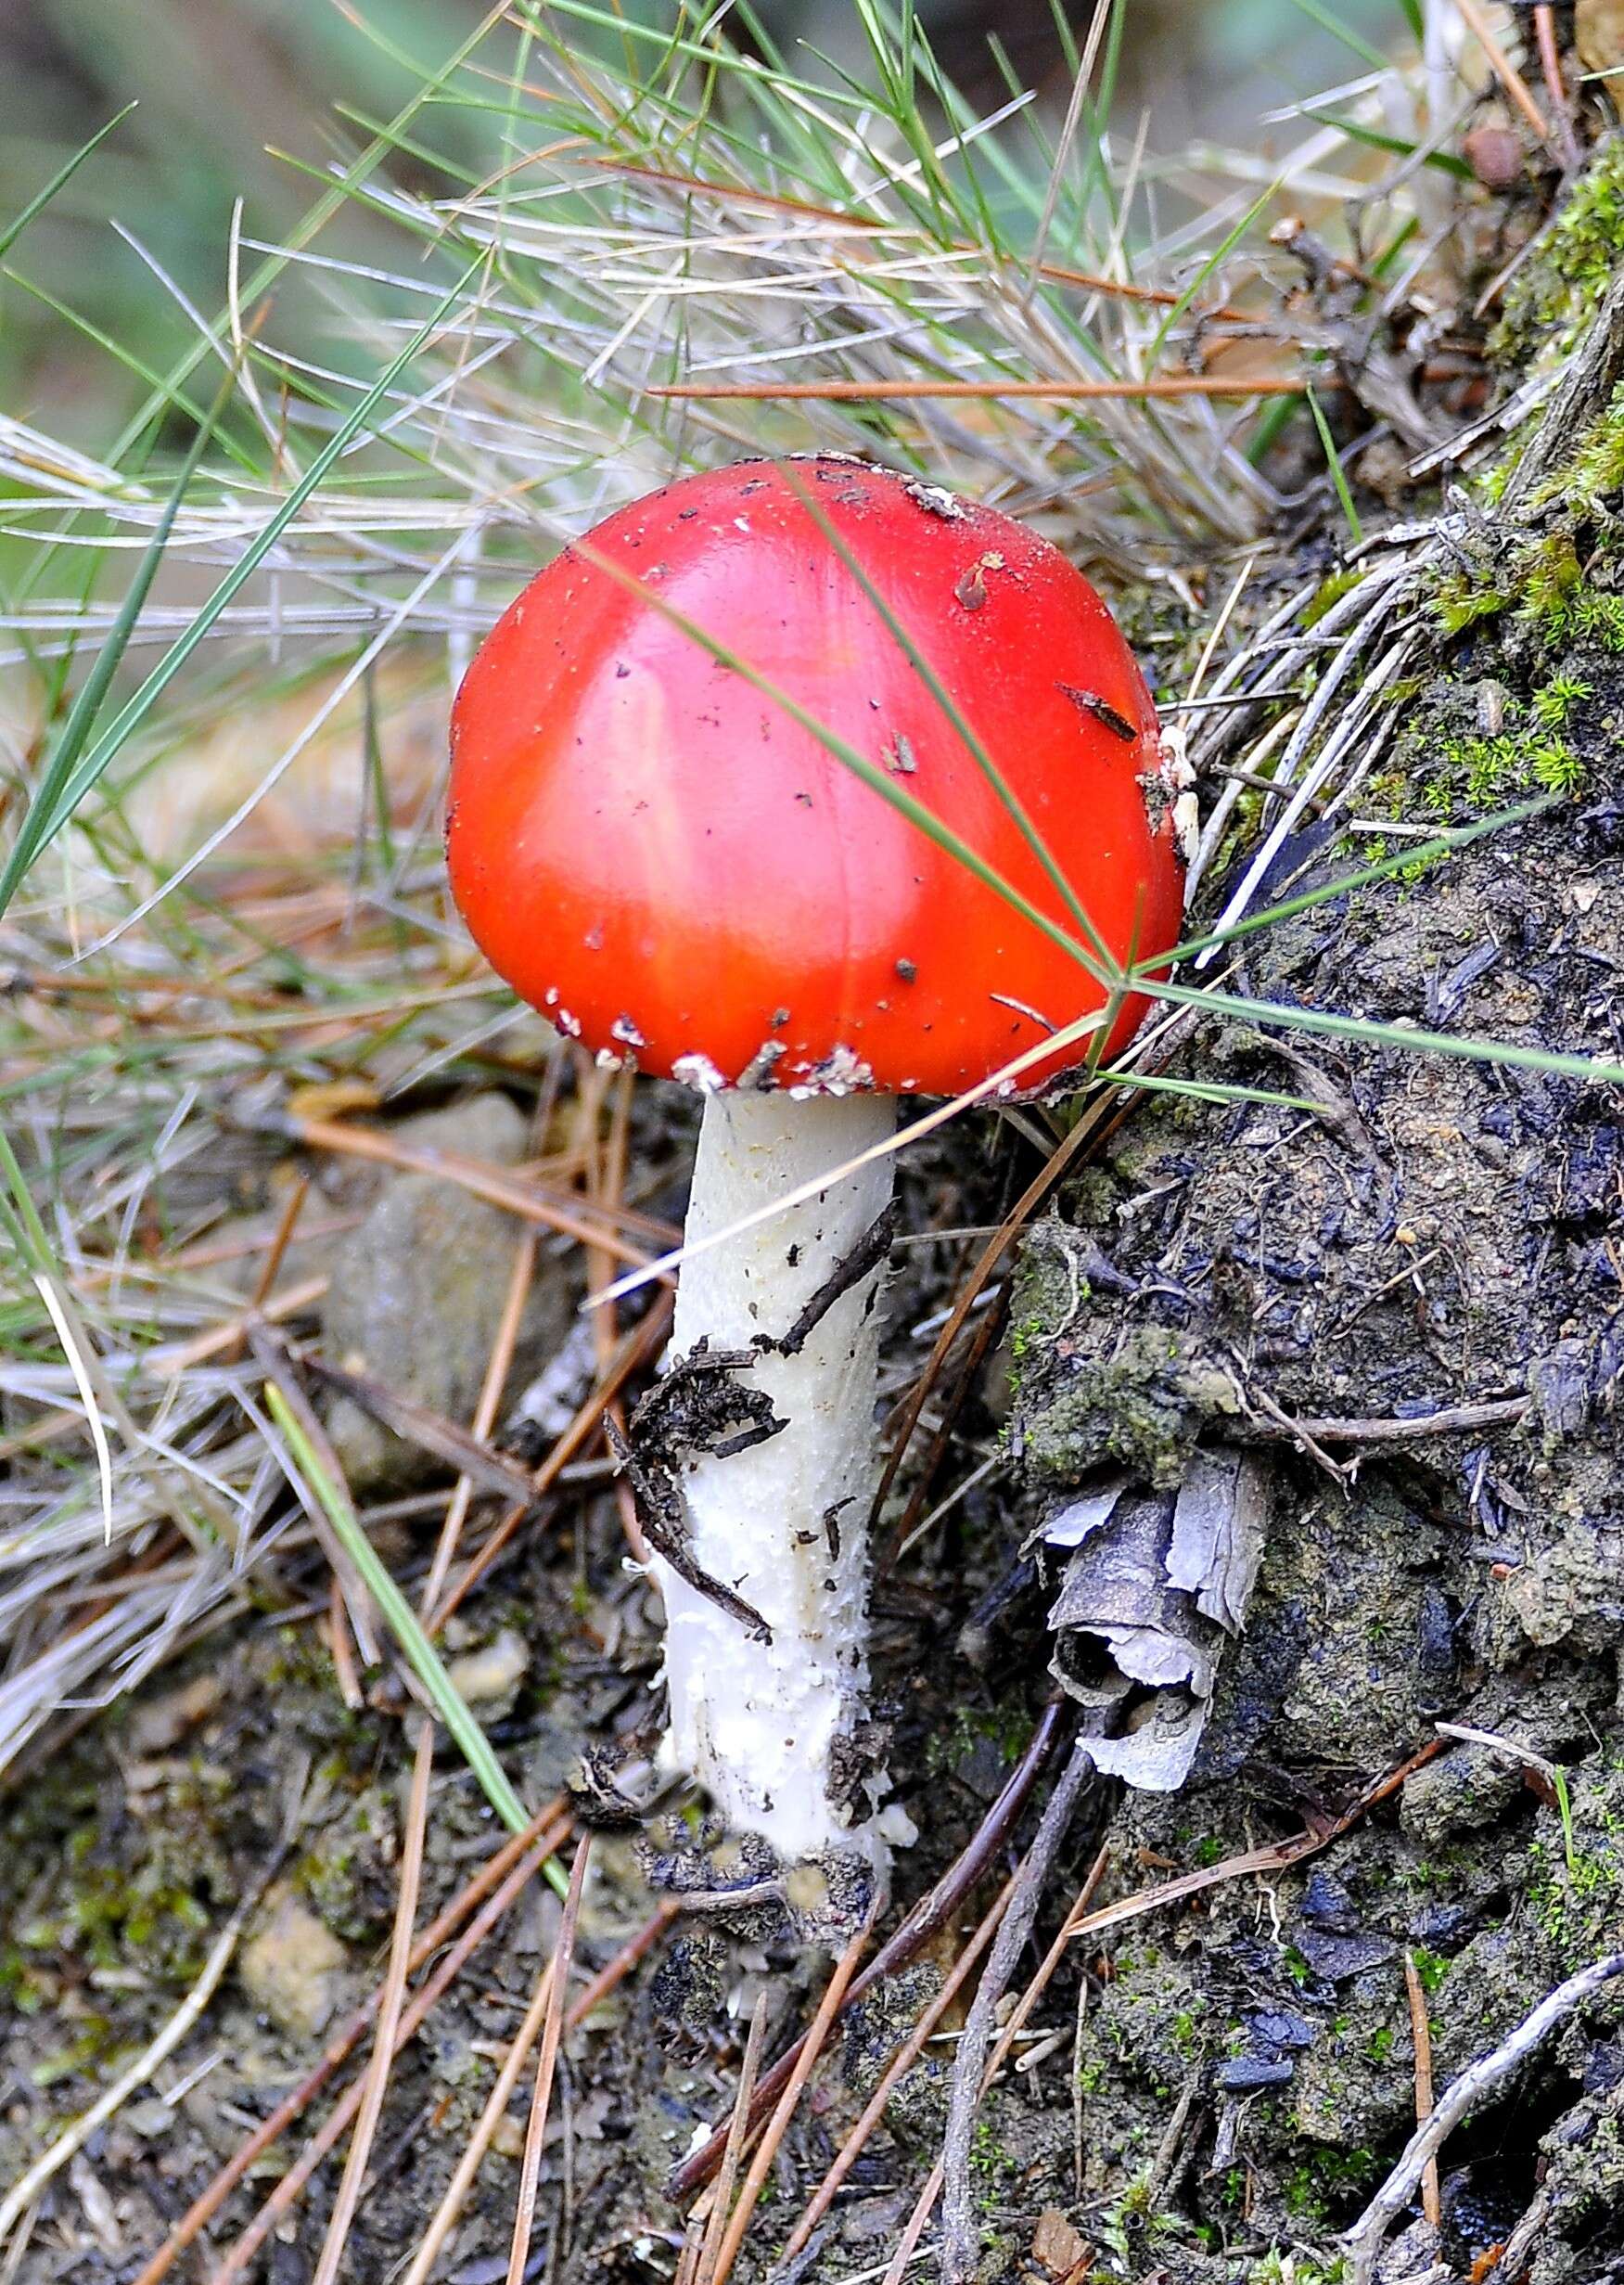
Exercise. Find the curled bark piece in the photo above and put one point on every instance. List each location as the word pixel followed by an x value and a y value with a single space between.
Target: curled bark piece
pixel 1155 1582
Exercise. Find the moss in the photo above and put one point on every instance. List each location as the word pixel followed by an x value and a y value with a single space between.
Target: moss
pixel 1329 593
pixel 1564 280
pixel 1575 1887
pixel 1145 1406
pixel 1594 470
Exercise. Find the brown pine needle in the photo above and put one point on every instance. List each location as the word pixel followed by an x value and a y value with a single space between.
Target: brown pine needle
pixel 389 2016
pixel 635 1348
pixel 496 1371
pixel 343 2044
pixel 932 1912
pixel 743 194
pixel 906 2056
pixel 1006 2039
pixel 777 2126
pixel 1050 392
pixel 541 2100
pixel 1273 1857
pixel 293 2183
pixel 541 2008
pixel 1421 2034
pixel 1504 70
pixel 569 1212
pixel 737 2130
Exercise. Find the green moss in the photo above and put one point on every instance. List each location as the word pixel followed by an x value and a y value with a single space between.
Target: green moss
pixel 1557 289
pixel 1329 593
pixel 1459 601
pixel 1595 468
pixel 1431 1966
pixel 1555 701
pixel 1576 1890
pixel 1007 1727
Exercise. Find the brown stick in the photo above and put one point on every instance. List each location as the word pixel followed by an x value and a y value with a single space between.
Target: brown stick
pixel 1276 1857
pixel 1504 70
pixel 291 2187
pixel 1421 2035
pixel 635 1348
pixel 1550 68
pixel 810 2047
pixel 709 2252
pixel 389 2016
pixel 568 1213
pixel 906 2056
pixel 960 2238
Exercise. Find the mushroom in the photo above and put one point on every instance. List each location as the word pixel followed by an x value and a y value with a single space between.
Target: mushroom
pixel 660 852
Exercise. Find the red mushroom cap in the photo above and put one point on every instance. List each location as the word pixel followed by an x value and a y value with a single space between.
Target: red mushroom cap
pixel 668 864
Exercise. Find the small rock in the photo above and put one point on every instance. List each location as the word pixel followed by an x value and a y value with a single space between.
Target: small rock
pixel 490 1677
pixel 293 1967
pixel 1495 155
pixel 1242 2074
pixel 1598 33
pixel 1327 1903
pixel 1057 2245
pixel 416 1302
pixel 1461 1792
pixel 1339 1958
pixel 508 2136
pixel 490 1128
pixel 159 1724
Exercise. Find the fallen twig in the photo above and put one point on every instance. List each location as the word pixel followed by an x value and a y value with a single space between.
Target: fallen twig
pixel 1421 2036
pixel 292 2185
pixel 1504 70
pixel 960 2238
pixel 539 1841
pixel 547 2062
pixel 1277 1856
pixel 810 2048
pixel 1363 2241
pixel 906 2056
pixel 710 2250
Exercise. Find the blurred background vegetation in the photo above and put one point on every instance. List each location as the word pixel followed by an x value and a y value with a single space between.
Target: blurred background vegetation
pixel 241 98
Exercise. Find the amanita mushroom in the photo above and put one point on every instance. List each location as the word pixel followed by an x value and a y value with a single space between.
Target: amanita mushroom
pixel 671 866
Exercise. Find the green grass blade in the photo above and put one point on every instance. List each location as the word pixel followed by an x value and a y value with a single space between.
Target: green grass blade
pixel 415 1647
pixel 42 198
pixel 36 829
pixel 137 708
pixel 1338 474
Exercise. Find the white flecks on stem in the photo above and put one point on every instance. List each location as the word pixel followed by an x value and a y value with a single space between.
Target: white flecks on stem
pixel 785 1523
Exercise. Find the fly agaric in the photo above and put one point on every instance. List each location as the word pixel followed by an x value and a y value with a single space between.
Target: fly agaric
pixel 676 868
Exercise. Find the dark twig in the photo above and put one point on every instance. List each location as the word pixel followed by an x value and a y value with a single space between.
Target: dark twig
pixel 1453 1420
pixel 960 2238
pixel 430 1431
pixel 1363 2241
pixel 869 1251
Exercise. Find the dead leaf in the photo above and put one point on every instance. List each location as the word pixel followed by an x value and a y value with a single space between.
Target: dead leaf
pixel 1057 2245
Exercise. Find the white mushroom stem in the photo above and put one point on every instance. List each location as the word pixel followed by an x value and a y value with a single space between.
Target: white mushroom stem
pixel 785 1523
